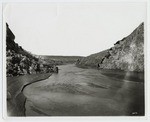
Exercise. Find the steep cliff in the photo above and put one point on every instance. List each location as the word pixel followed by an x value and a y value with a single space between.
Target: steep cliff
pixel 126 54
pixel 11 45
pixel 20 61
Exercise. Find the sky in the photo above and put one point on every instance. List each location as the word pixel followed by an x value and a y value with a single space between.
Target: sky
pixel 69 29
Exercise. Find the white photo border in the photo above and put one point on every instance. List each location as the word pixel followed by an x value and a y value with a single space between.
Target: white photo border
pixel 3 109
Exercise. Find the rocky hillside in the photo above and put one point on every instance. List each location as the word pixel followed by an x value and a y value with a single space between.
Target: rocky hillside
pixel 11 45
pixel 92 60
pixel 20 61
pixel 126 54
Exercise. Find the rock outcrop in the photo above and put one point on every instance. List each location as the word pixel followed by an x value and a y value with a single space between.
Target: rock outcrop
pixel 126 54
pixel 92 60
pixel 20 61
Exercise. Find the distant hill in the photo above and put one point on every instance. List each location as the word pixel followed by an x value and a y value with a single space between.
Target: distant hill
pixel 59 60
pixel 92 60
pixel 126 54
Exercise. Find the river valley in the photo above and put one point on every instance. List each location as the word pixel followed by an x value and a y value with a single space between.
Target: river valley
pixel 84 92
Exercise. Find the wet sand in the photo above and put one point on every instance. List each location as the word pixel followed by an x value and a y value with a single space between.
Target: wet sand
pixel 84 92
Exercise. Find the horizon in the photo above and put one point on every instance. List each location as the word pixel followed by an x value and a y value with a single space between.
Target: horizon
pixel 67 29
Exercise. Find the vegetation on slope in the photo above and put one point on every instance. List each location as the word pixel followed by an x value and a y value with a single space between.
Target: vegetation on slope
pixel 19 61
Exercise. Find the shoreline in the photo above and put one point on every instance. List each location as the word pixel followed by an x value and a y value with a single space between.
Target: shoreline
pixel 119 74
pixel 78 92
pixel 15 97
pixel 124 75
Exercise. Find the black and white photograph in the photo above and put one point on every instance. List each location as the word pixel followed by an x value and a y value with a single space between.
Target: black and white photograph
pixel 75 59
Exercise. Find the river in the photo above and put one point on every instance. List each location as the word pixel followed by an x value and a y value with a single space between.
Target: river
pixel 84 92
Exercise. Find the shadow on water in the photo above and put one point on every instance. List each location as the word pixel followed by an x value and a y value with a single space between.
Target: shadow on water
pixel 125 75
pixel 131 90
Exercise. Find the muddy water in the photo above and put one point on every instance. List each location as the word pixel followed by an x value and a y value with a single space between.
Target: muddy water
pixel 84 92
